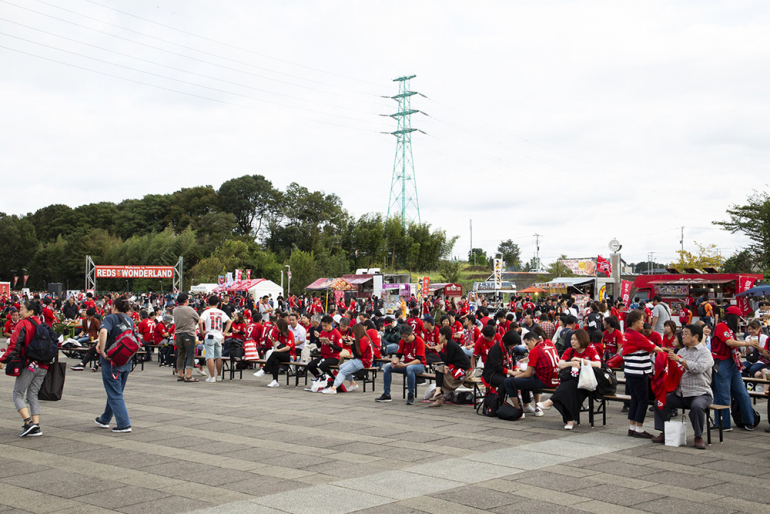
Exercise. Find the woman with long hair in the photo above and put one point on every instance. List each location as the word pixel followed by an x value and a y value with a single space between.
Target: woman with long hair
pixel 31 374
pixel 283 350
pixel 362 358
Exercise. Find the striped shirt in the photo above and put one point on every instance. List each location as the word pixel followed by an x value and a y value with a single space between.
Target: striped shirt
pixel 636 354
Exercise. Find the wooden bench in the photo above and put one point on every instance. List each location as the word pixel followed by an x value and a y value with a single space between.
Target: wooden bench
pixel 430 377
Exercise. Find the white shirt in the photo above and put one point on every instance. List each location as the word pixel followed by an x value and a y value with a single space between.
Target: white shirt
pixel 264 309
pixel 214 321
pixel 300 336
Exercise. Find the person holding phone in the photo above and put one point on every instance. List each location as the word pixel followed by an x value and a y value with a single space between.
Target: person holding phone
pixel 331 346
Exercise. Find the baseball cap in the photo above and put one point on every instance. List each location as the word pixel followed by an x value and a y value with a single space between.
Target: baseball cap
pixel 733 310
pixel 429 319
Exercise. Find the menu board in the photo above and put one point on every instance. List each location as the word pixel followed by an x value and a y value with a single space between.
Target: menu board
pixel 672 290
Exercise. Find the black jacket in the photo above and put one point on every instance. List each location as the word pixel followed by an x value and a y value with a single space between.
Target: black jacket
pixel 453 354
pixel 498 359
pixel 71 311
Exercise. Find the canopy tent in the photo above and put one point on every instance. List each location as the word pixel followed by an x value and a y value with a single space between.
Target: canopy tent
pixel 331 284
pixel 756 291
pixel 533 290
pixel 203 288
pixel 262 287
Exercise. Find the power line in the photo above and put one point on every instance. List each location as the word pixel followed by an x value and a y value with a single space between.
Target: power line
pixel 183 92
pixel 182 81
pixel 175 68
pixel 228 45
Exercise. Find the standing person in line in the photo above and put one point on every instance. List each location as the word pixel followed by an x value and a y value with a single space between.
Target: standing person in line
pixel 660 314
pixel 213 324
pixel 114 377
pixel 32 373
pixel 185 320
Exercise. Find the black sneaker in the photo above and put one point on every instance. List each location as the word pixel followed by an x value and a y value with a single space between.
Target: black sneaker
pixel 27 429
pixel 410 399
pixel 750 428
pixel 77 367
pixel 101 424
pixel 122 430
pixel 767 430
pixel 35 432
pixel 384 398
pixel 624 410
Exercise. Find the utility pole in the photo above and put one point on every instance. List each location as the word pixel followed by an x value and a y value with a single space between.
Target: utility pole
pixel 474 255
pixel 537 253
pixel 650 257
pixel 681 239
pixel 403 199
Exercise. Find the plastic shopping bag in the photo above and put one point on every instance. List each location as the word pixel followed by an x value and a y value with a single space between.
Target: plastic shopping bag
pixel 586 378
pixel 676 433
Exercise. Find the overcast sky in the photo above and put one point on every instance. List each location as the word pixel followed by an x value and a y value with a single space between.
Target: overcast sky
pixel 580 121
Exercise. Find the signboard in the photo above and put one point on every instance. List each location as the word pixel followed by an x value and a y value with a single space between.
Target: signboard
pixel 580 267
pixel 744 284
pixel 134 272
pixel 425 285
pixel 672 290
pixel 403 289
pixel 490 286
pixel 5 288
pixel 498 273
pixel 453 290
pixel 625 292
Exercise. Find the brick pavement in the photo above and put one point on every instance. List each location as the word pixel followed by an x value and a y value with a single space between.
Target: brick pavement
pixel 239 446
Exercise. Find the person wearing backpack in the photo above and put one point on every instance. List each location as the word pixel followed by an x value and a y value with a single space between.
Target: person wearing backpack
pixel 113 376
pixel 32 373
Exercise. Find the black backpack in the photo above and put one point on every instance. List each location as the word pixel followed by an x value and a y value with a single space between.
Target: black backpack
pixel 607 382
pixel 489 406
pixel 509 413
pixel 735 410
pixel 562 343
pixel 44 345
pixel 463 398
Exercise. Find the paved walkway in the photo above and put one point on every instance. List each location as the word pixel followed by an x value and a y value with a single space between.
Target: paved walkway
pixel 239 446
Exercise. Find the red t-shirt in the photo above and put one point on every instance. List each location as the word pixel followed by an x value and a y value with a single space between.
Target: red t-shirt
pixel 457 327
pixel 327 352
pixel 431 339
pixel 417 326
pixel 612 341
pixel 281 341
pixel 374 337
pixel 146 329
pixel 413 350
pixel 238 331
pixel 545 359
pixel 10 326
pixel 254 332
pixel 366 351
pixel 160 329
pixel 482 346
pixel 719 349
pixel 656 338
pixel 668 341
pixel 48 316
pixel 589 353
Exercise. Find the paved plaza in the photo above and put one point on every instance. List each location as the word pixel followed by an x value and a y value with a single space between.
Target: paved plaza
pixel 239 446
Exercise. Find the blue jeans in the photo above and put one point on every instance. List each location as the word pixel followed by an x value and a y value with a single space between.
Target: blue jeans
pixel 409 371
pixel 727 383
pixel 467 351
pixel 391 348
pixel 346 371
pixel 114 379
pixel 753 368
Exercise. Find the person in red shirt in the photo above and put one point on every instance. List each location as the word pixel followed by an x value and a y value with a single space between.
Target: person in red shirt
pixel 347 338
pixel 162 337
pixel 316 307
pixel 363 357
pixel 146 330
pixel 669 335
pixel 48 315
pixel 612 338
pixel 331 346
pixel 374 337
pixel 409 360
pixel 656 338
pixel 456 326
pixel 432 345
pixel 464 307
pixel 481 348
pixel 10 325
pixel 568 399
pixel 283 350
pixel 542 373
pixel 416 323
pixel 471 334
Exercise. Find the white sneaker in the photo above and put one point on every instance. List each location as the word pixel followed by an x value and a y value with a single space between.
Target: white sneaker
pixel 260 373
pixel 528 408
pixel 274 383
pixel 219 378
pixel 539 412
pixel 352 387
pixel 211 380
pixel 542 407
pixel 330 390
pixel 201 372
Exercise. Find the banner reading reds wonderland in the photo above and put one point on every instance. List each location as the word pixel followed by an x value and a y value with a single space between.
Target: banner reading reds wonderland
pixel 134 272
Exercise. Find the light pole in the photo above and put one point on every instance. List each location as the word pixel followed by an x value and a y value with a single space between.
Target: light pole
pixel 288 274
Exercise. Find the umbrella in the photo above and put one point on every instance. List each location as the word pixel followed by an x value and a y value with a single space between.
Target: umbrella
pixel 756 291
pixel 533 289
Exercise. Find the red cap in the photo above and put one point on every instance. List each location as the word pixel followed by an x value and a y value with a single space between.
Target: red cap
pixel 733 310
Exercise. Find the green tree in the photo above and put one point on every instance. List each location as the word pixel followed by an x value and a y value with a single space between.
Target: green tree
pixel 743 261
pixel 449 271
pixel 753 220
pixel 19 245
pixel 511 253
pixel 480 257
pixel 557 269
pixel 706 257
pixel 251 199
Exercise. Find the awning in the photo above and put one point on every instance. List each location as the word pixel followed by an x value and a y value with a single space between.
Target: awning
pixel 690 281
pixel 334 284
pixel 571 281
pixel 358 281
pixel 533 290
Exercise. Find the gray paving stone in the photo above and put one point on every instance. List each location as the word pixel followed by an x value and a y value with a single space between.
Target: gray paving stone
pixel 477 497
pixel 669 505
pixel 122 497
pixel 547 480
pixel 700 481
pixel 398 485
pixel 618 495
pixel 527 506
pixel 262 486
pixel 167 505
pixel 326 498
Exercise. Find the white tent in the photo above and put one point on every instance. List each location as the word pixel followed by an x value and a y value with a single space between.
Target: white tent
pixel 265 287
pixel 203 288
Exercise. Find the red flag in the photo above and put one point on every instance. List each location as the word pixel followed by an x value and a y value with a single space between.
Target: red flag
pixel 15 279
pixel 248 274
pixel 26 277
pixel 744 284
pixel 603 265
pixel 625 291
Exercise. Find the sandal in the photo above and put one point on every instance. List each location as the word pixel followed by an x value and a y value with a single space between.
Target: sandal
pixel 180 379
pixel 191 379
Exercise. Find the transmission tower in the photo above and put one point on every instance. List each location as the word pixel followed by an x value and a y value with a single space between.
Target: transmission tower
pixel 403 187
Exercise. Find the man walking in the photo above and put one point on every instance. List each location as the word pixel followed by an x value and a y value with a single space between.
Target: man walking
pixel 213 324
pixel 185 320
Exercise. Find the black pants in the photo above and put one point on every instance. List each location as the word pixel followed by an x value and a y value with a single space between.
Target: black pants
pixel 639 389
pixel 274 362
pixel 323 364
pixel 497 380
pixel 89 356
pixel 433 358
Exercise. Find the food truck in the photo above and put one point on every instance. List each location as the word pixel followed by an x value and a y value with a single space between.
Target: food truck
pixel 683 289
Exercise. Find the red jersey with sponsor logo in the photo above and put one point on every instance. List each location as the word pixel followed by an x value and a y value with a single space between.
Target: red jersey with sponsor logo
pixel 612 341
pixel 482 346
pixel 412 351
pixel 545 360
pixel 335 338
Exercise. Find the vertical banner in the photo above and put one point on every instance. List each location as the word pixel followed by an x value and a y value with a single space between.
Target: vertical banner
pixel 498 274
pixel 339 296
pixel 26 277
pixel 425 286
pixel 744 284
pixel 15 279
pixel 229 279
pixel 221 280
pixel 625 291
pixel 248 274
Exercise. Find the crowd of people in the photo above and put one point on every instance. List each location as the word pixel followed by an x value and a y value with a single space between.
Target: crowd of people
pixel 519 349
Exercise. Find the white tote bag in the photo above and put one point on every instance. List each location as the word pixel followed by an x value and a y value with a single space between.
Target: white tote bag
pixel 676 433
pixel 587 378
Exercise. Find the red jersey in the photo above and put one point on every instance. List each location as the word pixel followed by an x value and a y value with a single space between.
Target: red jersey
pixel 482 346
pixel 412 351
pixel 254 332
pixel 471 335
pixel 417 326
pixel 656 338
pixel 135 317
pixel 160 329
pixel 431 339
pixel 589 353
pixel 668 341
pixel 545 360
pixel 719 349
pixel 10 326
pixel 333 348
pixel 374 337
pixel 464 309
pixel 282 341
pixel 612 341
pixel 238 331
pixel 146 329
pixel 365 352
pixel 48 316
pixel 457 327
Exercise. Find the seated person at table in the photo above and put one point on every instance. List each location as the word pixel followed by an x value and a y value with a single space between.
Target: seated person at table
pixel 363 357
pixel 90 332
pixel 283 350
pixel 163 338
pixel 694 390
pixel 481 348
pixel 568 399
pixel 347 337
pixel 146 330
pixel 456 367
pixel 754 333
pixel 500 363
pixel 409 360
pixel 330 340
pixel 542 373
pixel 432 345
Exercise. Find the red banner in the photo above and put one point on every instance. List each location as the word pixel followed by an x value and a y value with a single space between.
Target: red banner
pixel 26 277
pixel 744 284
pixel 15 279
pixel 134 272
pixel 248 274
pixel 625 291
pixel 425 284
pixel 603 265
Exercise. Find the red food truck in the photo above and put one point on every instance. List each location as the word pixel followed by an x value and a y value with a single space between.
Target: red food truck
pixel 678 289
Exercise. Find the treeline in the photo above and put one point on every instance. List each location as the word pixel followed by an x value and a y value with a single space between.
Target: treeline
pixel 247 223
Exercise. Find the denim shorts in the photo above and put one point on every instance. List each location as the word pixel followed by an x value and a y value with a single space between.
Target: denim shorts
pixel 212 345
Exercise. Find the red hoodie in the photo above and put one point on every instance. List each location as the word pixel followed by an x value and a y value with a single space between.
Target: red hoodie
pixel 667 376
